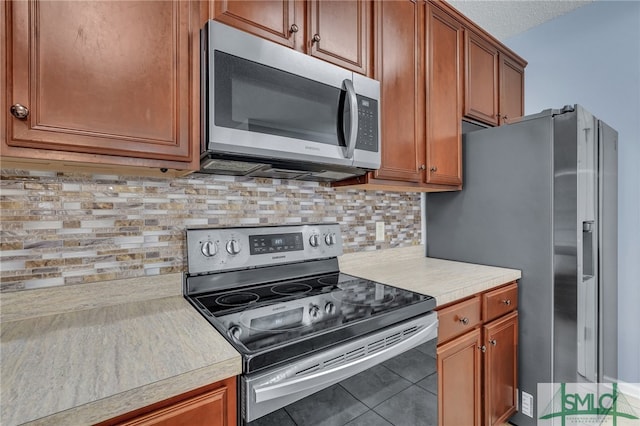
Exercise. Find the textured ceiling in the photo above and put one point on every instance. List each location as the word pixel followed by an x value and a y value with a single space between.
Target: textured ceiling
pixel 506 18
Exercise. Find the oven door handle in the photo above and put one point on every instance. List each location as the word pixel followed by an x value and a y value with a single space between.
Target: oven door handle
pixel 323 378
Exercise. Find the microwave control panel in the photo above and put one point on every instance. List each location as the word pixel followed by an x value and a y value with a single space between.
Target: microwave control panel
pixel 367 124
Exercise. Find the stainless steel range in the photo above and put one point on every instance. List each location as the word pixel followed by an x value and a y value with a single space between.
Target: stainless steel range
pixel 277 295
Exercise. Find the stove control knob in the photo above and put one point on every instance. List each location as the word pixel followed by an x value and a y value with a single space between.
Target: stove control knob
pixel 330 239
pixel 235 331
pixel 233 247
pixel 209 248
pixel 314 240
pixel 330 308
pixel 314 311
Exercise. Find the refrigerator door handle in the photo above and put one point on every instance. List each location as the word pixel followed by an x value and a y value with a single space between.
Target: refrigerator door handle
pixel 588 249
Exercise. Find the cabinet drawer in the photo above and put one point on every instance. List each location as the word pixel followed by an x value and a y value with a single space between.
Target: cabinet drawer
pixel 458 319
pixel 498 302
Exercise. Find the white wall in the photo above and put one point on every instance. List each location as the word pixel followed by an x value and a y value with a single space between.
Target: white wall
pixel 591 56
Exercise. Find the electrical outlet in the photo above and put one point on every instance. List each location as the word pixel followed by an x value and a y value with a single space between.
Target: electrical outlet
pixel 379 231
pixel 526 407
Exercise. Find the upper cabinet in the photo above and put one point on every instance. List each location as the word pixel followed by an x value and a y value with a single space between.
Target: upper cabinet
pixel 494 82
pixel 418 64
pixel 444 98
pixel 399 40
pixel 102 84
pixel 511 88
pixel 481 79
pixel 435 69
pixel 277 21
pixel 339 32
pixel 334 31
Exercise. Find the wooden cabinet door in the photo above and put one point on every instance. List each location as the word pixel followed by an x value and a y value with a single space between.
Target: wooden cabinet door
pixel 481 88
pixel 103 77
pixel 459 378
pixel 511 89
pixel 208 409
pixel 444 98
pixel 399 35
pixel 274 20
pixel 340 31
pixel 213 406
pixel 500 368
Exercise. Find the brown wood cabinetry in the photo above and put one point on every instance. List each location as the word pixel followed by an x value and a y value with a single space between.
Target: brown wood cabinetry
pixel 494 82
pixel 399 70
pixel 444 98
pixel 418 64
pixel 477 357
pixel 500 369
pixel 459 379
pixel 335 31
pixel 511 88
pixel 435 67
pixel 214 405
pixel 113 83
pixel 481 79
pixel 272 20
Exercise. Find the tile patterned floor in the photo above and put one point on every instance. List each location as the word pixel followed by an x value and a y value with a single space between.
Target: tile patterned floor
pixel 398 392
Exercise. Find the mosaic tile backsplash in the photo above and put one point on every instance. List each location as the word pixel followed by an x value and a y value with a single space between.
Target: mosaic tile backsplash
pixel 67 228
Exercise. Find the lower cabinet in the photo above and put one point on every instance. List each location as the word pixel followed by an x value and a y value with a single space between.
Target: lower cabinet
pixel 459 384
pixel 500 369
pixel 477 358
pixel 213 405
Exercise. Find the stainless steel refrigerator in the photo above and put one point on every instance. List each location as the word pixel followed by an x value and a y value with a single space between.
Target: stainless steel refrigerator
pixel 540 195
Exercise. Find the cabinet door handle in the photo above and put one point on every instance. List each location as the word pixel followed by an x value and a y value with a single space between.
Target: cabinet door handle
pixel 294 28
pixel 493 342
pixel 464 320
pixel 433 169
pixel 315 38
pixel 483 348
pixel 422 167
pixel 507 302
pixel 19 111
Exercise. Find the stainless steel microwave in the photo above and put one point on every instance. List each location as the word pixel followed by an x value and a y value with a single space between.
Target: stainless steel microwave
pixel 270 111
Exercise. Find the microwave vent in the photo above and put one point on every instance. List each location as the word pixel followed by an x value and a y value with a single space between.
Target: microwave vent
pixel 232 167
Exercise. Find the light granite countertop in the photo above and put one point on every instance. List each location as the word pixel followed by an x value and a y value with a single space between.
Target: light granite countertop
pixel 96 352
pixel 86 353
pixel 408 268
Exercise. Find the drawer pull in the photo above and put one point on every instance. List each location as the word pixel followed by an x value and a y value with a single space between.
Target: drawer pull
pixel 464 320
pixel 493 342
pixel 507 302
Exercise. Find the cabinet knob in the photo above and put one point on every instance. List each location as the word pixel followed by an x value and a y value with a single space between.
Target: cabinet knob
pixel 464 320
pixel 423 167
pixel 315 38
pixel 294 28
pixel 19 111
pixel 505 118
pixel 433 169
pixel 493 342
pixel 507 302
pixel 483 348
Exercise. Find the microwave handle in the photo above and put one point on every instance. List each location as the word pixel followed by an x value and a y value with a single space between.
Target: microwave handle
pixel 353 112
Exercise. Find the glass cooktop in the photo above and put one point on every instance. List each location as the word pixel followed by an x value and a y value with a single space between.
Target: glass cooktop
pixel 313 312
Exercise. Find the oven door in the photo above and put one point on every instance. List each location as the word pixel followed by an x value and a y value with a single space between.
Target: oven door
pixel 268 101
pixel 264 392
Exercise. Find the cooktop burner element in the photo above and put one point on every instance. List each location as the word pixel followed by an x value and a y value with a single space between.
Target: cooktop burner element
pixel 236 299
pixel 293 288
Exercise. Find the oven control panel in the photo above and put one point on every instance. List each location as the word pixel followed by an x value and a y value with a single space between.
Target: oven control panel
pixel 222 249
